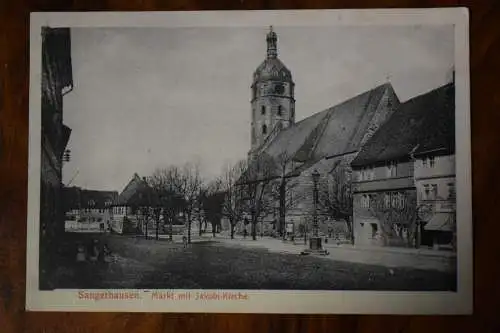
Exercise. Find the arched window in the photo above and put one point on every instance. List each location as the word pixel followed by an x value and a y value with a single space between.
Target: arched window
pixel 280 110
pixel 264 129
pixel 262 109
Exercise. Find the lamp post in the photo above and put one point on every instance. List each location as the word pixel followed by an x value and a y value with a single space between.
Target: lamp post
pixel 315 246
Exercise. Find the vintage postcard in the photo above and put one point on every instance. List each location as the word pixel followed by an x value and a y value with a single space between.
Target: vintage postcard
pixel 311 161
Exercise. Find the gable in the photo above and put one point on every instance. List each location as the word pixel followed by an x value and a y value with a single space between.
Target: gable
pixel 423 122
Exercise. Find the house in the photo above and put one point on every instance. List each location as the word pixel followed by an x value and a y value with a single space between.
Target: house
pixel 434 170
pixel 387 207
pixel 88 208
pixel 56 81
pixel 132 211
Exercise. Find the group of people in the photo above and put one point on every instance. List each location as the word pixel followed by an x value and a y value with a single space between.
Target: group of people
pixel 94 252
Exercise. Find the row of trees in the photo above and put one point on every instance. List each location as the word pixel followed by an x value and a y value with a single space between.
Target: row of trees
pixel 248 191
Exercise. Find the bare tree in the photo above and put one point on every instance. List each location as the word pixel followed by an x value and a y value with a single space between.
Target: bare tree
pixel 213 204
pixel 166 184
pixel 283 189
pixel 255 181
pixel 398 216
pixel 335 196
pixel 189 188
pixel 233 204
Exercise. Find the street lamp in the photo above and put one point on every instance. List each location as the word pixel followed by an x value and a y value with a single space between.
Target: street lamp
pixel 315 246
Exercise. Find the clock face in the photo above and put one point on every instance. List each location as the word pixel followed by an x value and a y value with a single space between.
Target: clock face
pixel 279 89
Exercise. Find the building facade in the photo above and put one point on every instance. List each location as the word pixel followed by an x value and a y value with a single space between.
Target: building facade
pixel 57 80
pixel 88 209
pixel 436 194
pixel 403 190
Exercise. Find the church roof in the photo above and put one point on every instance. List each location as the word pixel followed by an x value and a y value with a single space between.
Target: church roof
pixel 423 123
pixel 337 130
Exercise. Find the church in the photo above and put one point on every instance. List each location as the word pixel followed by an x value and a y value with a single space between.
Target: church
pixel 325 142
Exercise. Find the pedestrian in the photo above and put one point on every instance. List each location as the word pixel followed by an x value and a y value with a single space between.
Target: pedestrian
pixel 80 253
pixel 245 233
pixel 184 241
pixel 94 251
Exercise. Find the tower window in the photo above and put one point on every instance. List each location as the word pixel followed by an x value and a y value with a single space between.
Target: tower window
pixel 280 110
pixel 264 129
pixel 263 110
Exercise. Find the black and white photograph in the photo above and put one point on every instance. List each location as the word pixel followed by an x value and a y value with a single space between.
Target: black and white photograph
pixel 203 161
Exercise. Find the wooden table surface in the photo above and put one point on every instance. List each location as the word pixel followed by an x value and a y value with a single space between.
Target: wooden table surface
pixel 485 102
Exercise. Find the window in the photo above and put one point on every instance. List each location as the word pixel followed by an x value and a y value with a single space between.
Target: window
pixel 451 191
pixel 429 162
pixel 264 129
pixel 426 193
pixel 262 109
pixel 280 110
pixel 432 161
pixel 391 169
pixel 394 200
pixel 365 201
pixel 434 191
pixel 387 200
pixel 374 230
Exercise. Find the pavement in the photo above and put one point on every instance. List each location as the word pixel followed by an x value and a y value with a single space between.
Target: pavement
pixel 426 259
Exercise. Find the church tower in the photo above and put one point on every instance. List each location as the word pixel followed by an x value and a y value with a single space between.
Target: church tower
pixel 273 103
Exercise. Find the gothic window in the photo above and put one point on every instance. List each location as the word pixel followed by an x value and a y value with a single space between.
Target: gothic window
pixel 280 110
pixel 264 129
pixel 262 110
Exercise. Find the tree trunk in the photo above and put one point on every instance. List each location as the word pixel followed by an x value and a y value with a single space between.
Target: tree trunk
pixel 189 230
pixel 282 209
pixel 158 226
pixel 200 232
pixel 171 229
pixel 254 230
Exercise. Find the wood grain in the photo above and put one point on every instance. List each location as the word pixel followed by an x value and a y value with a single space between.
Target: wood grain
pixel 485 92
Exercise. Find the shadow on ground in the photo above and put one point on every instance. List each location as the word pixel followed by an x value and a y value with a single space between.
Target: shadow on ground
pixel 152 264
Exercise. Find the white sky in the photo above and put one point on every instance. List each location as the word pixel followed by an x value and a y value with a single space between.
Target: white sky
pixel 145 98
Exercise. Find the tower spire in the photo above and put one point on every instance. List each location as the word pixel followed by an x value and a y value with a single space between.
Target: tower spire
pixel 272 41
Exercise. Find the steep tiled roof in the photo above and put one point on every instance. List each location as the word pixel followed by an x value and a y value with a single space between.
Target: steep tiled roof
pixel 337 130
pixel 100 199
pixel 423 123
pixel 75 197
pixel 137 192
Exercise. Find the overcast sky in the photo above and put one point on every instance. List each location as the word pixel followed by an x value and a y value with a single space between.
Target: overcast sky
pixel 146 98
